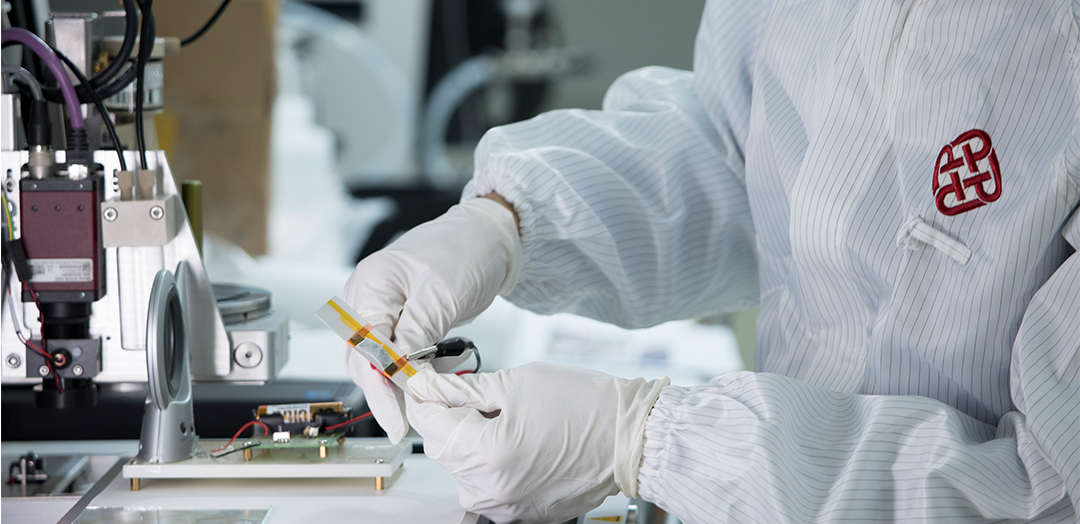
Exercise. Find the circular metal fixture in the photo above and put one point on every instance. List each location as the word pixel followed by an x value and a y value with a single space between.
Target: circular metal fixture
pixel 240 303
pixel 168 406
pixel 166 348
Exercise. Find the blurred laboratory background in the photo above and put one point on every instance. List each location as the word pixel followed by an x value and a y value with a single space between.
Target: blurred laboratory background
pixel 322 130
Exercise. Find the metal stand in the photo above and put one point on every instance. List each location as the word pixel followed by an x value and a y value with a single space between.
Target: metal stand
pixel 168 432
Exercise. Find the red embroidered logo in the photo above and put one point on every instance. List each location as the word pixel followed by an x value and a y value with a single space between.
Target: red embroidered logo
pixel 967 174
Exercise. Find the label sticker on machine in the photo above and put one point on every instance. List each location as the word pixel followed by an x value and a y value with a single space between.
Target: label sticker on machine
pixel 361 335
pixel 62 269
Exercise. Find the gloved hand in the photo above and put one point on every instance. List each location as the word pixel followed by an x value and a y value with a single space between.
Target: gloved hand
pixel 438 275
pixel 540 443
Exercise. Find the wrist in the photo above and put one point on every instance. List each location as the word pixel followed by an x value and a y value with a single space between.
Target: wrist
pixel 503 202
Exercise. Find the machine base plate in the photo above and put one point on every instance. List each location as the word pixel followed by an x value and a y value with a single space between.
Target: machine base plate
pixel 355 458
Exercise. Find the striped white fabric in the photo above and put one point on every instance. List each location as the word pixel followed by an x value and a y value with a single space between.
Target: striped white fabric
pixel 894 181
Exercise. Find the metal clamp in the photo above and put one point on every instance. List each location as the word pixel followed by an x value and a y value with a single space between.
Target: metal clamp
pixel 427 353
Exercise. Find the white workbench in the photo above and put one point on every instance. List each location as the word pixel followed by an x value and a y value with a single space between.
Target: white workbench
pixel 421 491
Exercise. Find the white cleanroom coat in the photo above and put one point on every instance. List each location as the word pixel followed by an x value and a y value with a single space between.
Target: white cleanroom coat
pixel 897 184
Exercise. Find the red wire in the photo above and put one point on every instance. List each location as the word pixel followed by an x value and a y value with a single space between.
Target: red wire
pixel 48 358
pixel 347 422
pixel 368 414
pixel 18 333
pixel 241 430
pixel 267 429
pixel 328 428
pixel 33 346
pixel 41 314
pixel 41 332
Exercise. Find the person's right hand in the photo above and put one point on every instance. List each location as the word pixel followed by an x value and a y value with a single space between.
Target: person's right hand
pixel 437 276
pixel 539 443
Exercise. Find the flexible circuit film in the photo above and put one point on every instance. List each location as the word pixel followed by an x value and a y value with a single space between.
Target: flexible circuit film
pixel 359 334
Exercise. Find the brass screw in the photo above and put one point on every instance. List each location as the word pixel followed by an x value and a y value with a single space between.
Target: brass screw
pixel 101 62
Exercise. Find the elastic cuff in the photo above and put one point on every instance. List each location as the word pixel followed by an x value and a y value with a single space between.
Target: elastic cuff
pixel 654 449
pixel 626 469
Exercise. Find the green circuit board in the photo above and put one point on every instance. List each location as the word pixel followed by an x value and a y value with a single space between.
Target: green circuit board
pixel 296 442
pixel 266 443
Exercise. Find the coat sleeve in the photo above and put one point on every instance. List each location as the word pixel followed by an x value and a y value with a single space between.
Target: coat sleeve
pixel 637 214
pixel 766 448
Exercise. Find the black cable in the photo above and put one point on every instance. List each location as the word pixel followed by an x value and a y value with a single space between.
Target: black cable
pixel 456 346
pixel 120 83
pixel 146 46
pixel 99 105
pixel 476 353
pixel 206 27
pixel 100 83
pixel 131 32
pixel 53 94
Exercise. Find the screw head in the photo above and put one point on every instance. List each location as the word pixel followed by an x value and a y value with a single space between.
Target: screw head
pixel 43 370
pixel 157 212
pixel 13 361
pixel 110 214
pixel 77 370
pixel 9 185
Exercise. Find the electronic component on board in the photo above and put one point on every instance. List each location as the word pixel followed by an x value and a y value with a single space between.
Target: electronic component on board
pixel 309 420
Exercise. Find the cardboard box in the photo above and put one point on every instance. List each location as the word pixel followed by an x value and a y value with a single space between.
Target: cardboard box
pixel 218 97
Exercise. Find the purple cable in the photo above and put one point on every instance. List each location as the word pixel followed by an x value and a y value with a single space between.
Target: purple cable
pixel 31 41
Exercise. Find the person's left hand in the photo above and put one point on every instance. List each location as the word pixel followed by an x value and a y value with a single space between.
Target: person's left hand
pixel 536 443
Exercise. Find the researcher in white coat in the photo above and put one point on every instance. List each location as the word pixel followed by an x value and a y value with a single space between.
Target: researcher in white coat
pixel 895 184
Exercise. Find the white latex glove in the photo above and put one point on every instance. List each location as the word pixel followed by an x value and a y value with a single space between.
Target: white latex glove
pixel 537 443
pixel 437 276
